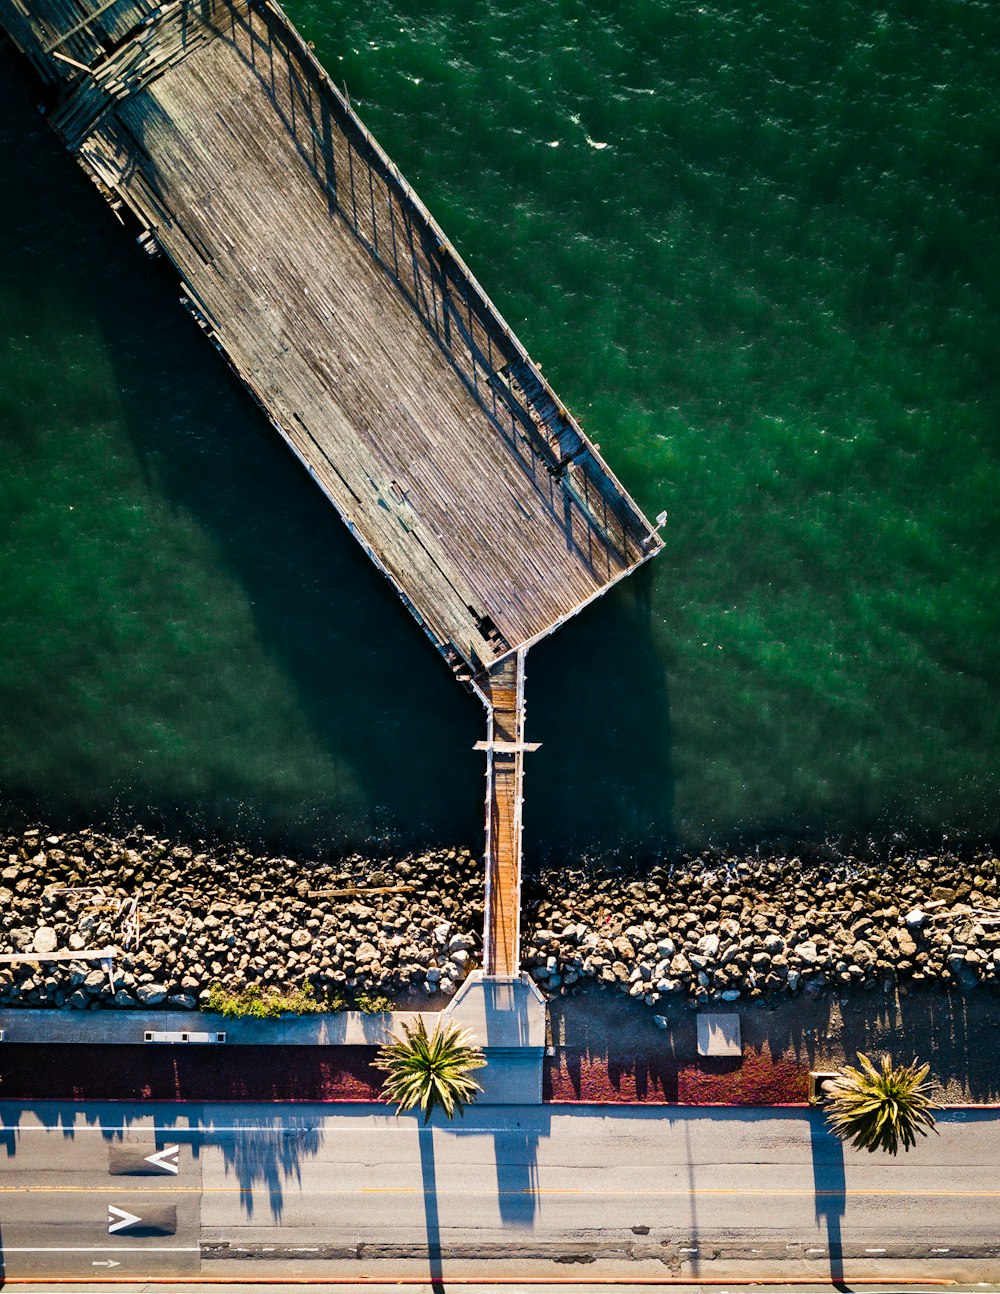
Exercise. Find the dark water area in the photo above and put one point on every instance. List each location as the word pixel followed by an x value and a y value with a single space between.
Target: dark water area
pixel 755 248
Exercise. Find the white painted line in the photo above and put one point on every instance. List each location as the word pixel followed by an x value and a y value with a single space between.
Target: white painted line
pixel 940 1251
pixel 874 1251
pixel 105 1249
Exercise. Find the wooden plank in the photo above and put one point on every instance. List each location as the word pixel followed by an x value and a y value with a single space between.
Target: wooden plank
pixel 79 26
pixel 60 955
pixel 508 747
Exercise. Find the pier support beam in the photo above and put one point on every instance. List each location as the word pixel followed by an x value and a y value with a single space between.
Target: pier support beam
pixel 505 749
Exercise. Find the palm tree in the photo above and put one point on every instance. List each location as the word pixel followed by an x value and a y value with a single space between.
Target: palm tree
pixel 431 1070
pixel 879 1108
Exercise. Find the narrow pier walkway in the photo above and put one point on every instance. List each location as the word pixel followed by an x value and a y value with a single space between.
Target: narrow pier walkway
pixel 504 796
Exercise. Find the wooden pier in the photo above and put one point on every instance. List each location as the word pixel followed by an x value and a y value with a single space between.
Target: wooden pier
pixel 505 750
pixel 312 266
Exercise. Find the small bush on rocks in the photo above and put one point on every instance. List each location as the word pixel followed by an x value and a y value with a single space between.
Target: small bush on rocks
pixel 256 1002
pixel 373 1003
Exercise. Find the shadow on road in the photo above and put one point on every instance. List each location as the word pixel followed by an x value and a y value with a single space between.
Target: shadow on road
pixel 829 1187
pixel 516 1153
pixel 428 1177
pixel 263 1151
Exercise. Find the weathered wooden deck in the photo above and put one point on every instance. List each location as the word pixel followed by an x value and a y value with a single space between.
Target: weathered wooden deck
pixel 314 268
pixel 311 264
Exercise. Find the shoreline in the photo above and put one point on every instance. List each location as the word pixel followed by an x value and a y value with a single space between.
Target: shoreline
pixel 718 927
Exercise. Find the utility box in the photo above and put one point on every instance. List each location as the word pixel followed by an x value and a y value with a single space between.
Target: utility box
pixel 817 1077
pixel 165 1035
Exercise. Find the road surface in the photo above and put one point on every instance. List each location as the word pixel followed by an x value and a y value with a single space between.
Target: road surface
pixel 187 1190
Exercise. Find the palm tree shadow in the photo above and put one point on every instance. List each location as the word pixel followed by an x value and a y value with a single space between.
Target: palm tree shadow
pixel 829 1188
pixel 432 1222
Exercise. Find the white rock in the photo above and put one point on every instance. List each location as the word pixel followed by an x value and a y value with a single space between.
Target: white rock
pixel 151 994
pixel 666 947
pixel 660 1021
pixel 807 952
pixel 915 919
pixel 709 945
pixel 45 940
pixel 730 995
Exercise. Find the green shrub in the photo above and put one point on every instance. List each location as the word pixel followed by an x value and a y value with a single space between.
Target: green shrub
pixel 257 1002
pixel 373 1004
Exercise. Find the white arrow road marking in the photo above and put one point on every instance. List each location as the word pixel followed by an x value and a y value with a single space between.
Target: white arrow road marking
pixel 166 1158
pixel 118 1219
pixel 107 1262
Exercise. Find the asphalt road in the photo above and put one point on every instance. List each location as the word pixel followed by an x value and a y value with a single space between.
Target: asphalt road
pixel 233 1190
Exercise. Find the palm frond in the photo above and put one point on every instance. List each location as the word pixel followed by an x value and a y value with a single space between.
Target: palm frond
pixel 881 1107
pixel 431 1070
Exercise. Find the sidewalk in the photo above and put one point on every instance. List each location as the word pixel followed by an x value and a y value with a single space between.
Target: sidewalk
pixel 605 1049
pixel 958 1035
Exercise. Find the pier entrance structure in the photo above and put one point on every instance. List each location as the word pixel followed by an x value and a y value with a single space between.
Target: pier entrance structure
pixel 310 263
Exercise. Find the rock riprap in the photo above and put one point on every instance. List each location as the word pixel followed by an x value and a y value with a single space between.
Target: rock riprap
pixel 717 927
pixel 185 918
pixel 724 928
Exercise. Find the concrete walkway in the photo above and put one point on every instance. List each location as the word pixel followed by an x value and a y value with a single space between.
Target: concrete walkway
pixel 505 1018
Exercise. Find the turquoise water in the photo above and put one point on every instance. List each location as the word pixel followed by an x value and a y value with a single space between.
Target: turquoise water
pixel 755 248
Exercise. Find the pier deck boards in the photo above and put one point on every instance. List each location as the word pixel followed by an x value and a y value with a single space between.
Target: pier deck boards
pixel 504 797
pixel 314 268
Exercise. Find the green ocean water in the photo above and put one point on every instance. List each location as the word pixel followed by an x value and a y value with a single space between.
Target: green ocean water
pixel 755 247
